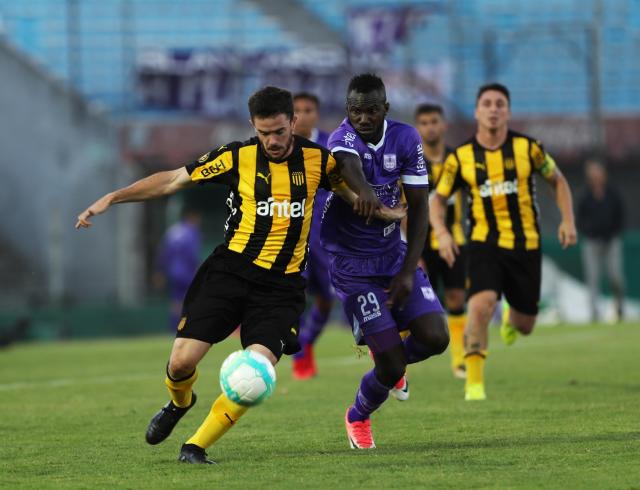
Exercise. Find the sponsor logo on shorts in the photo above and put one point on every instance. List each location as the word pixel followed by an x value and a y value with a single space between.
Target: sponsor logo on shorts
pixel 281 209
pixel 371 316
pixel 388 229
pixel 182 323
pixel 428 293
pixel 505 188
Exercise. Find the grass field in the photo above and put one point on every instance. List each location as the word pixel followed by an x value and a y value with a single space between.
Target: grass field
pixel 563 412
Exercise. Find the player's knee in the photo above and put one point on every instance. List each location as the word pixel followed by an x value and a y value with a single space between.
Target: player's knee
pixel 439 340
pixel 389 375
pixel 526 328
pixel 180 365
pixel 483 309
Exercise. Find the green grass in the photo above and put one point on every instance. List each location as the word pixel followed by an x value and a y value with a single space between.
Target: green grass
pixel 563 412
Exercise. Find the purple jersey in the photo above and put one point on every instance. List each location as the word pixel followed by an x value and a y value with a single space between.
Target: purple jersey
pixel 180 253
pixel 396 158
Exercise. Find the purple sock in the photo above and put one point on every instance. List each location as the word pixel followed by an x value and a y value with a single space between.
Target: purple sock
pixel 311 327
pixel 370 396
pixel 416 352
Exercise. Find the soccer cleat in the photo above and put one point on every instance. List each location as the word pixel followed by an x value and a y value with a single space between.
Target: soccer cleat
pixel 165 420
pixel 192 454
pixel 460 371
pixel 475 392
pixel 305 367
pixel 508 333
pixel 401 390
pixel 359 433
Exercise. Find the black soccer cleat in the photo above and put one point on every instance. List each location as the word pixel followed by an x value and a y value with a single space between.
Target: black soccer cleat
pixel 165 420
pixel 192 454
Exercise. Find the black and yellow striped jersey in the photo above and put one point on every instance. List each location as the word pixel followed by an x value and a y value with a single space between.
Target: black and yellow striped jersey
pixel 270 204
pixel 503 209
pixel 455 213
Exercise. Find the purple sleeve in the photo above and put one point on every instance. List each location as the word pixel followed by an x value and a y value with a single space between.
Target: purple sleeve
pixel 413 170
pixel 343 139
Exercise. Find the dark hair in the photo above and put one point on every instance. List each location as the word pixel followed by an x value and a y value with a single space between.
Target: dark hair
pixel 307 96
pixel 269 102
pixel 498 87
pixel 428 109
pixel 366 83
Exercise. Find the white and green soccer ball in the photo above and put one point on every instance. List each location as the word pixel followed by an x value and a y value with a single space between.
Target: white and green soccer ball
pixel 247 377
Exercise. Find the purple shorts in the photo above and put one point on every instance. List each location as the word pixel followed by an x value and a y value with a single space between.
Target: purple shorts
pixel 317 274
pixel 360 284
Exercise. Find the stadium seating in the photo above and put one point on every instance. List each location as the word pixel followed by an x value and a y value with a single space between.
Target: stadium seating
pixel 528 45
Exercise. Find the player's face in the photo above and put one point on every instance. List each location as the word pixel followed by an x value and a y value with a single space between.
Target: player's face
pixel 306 112
pixel 275 135
pixel 431 127
pixel 492 110
pixel 366 113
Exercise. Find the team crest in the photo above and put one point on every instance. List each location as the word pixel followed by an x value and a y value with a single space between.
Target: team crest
pixel 389 162
pixel 204 157
pixel 509 164
pixel 297 178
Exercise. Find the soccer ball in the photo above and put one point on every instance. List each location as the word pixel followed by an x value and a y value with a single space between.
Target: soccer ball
pixel 247 377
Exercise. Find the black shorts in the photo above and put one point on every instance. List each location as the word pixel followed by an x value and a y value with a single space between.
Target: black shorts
pixel 228 291
pixel 438 270
pixel 514 273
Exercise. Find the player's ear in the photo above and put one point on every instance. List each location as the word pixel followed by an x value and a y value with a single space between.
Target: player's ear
pixel 294 120
pixel 386 108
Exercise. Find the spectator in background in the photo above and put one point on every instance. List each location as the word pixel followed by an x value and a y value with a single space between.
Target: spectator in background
pixel 601 221
pixel 179 259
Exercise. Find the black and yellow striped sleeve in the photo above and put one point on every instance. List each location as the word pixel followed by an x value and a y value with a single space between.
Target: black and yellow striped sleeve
pixel 543 163
pixel 450 178
pixel 214 166
pixel 330 178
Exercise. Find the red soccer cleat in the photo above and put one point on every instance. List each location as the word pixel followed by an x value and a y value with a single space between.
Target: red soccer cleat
pixel 359 433
pixel 305 366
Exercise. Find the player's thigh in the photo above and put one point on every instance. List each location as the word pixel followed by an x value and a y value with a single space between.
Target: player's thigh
pixel 431 330
pixel 365 307
pixel 271 318
pixel 317 275
pixel 213 305
pixel 523 274
pixel 421 301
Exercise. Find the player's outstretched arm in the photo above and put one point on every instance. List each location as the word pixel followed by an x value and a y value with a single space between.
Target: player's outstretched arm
pixel 151 187
pixel 350 167
pixel 447 247
pixel 417 219
pixel 567 234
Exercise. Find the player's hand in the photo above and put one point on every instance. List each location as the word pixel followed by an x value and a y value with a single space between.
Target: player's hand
pixel 366 204
pixel 98 207
pixel 567 234
pixel 392 214
pixel 447 248
pixel 400 288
